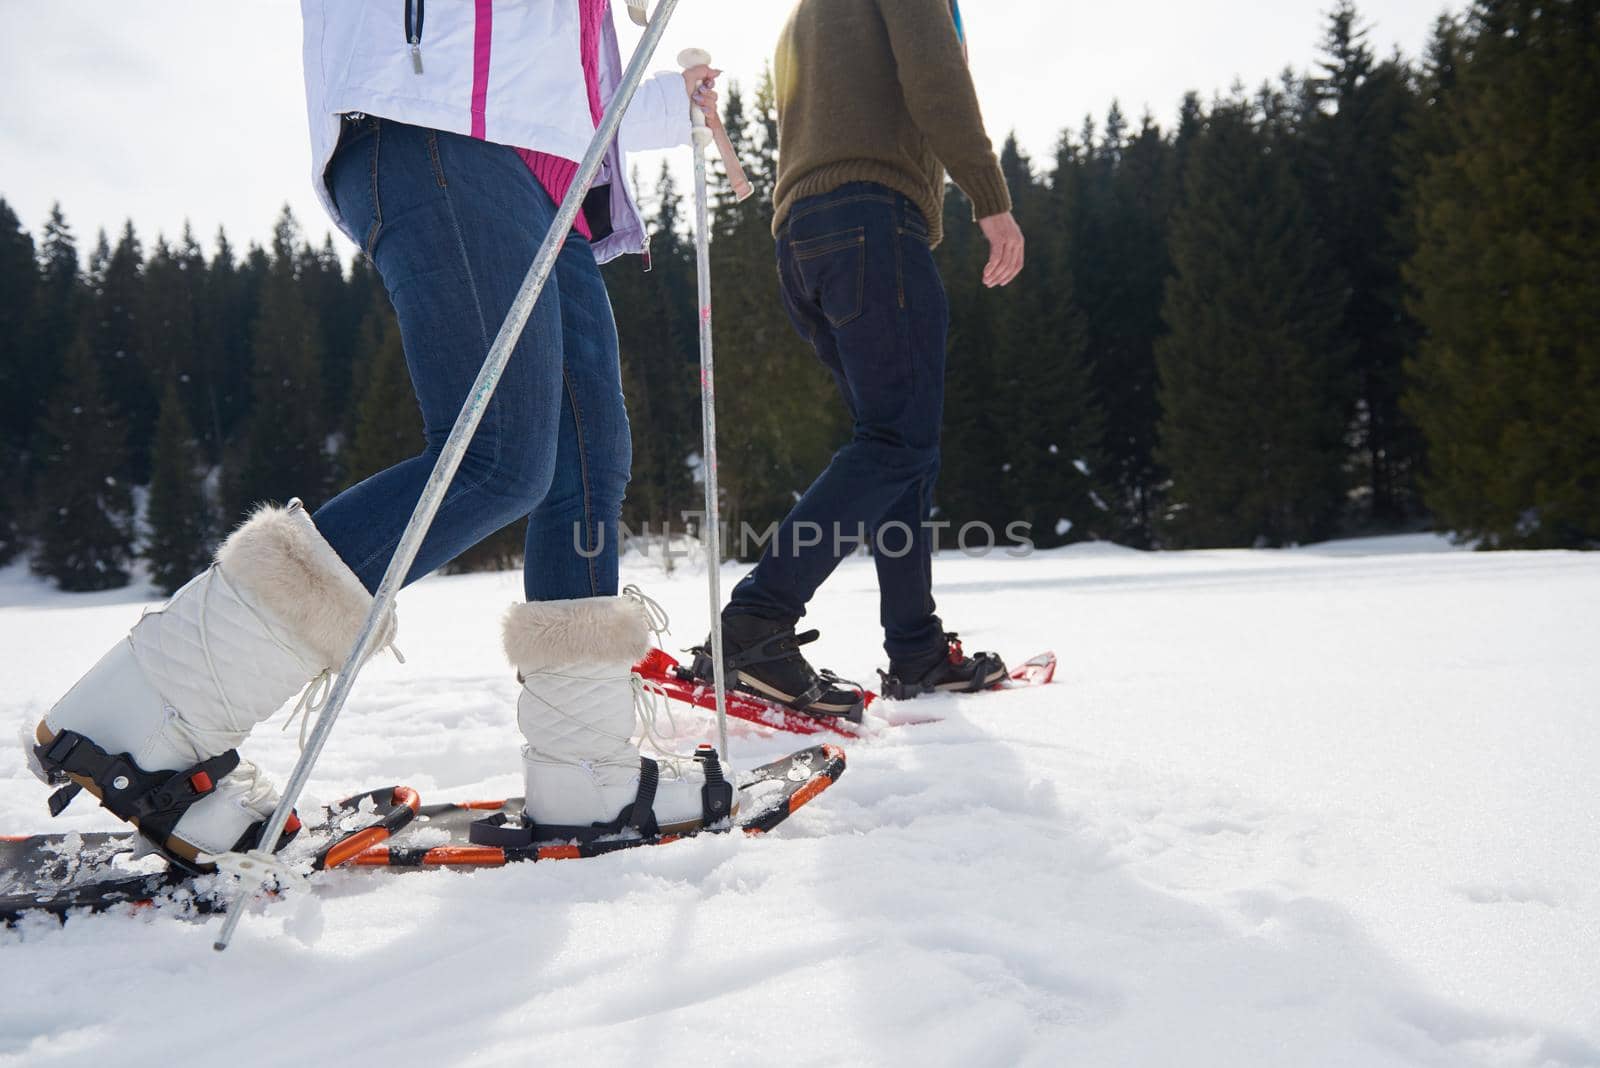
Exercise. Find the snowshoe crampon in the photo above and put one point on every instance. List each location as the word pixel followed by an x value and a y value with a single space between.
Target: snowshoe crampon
pixel 98 870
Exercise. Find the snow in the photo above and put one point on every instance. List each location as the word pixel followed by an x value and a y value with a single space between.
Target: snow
pixel 1326 806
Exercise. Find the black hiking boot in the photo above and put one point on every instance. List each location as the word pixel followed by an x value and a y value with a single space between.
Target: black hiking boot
pixel 945 669
pixel 762 657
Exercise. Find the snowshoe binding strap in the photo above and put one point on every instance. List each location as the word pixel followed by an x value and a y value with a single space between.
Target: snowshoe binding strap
pixel 890 686
pixel 716 805
pixel 716 796
pixel 153 801
pixel 639 817
pixel 983 666
pixel 778 647
pixel 987 664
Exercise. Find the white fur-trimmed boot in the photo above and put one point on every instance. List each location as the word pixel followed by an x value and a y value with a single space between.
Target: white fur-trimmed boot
pixel 152 729
pixel 583 772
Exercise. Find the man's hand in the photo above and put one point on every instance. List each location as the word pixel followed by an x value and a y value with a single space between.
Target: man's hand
pixel 1005 249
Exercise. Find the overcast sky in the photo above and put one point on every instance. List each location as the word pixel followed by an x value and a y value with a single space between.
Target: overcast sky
pixel 166 110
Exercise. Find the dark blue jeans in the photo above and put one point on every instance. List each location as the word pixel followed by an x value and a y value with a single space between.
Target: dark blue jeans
pixel 859 283
pixel 453 224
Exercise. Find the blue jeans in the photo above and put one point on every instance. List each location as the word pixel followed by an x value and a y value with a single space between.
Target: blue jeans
pixel 859 283
pixel 453 224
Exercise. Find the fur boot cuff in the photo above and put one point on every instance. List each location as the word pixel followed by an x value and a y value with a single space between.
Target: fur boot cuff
pixel 547 635
pixel 280 560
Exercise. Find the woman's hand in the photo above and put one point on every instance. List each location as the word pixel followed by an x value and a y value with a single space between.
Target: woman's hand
pixel 700 83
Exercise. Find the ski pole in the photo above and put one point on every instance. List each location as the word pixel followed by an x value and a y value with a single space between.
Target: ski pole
pixel 694 57
pixel 259 864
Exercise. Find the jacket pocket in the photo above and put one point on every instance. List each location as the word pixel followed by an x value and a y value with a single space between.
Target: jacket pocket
pixel 832 270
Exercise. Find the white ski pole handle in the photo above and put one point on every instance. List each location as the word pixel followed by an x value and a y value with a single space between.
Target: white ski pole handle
pixel 707 129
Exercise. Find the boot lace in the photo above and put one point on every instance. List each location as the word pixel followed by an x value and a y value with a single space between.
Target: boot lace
pixel 655 617
pixel 313 699
pixel 650 703
pixel 649 706
pixel 252 790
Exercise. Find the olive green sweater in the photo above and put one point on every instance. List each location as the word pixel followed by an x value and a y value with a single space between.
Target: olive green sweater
pixel 878 91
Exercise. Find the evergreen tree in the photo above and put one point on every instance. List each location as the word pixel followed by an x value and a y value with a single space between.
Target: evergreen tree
pixel 1427 130
pixel 58 302
pixel 974 448
pixel 231 296
pixel 1191 121
pixel 1507 282
pixel 170 319
pixel 1357 112
pixel 195 374
pixel 83 530
pixel 18 280
pixel 117 341
pixel 17 403
pixel 340 321
pixel 178 543
pixel 1114 200
pixel 656 334
pixel 284 454
pixel 388 424
pixel 365 296
pixel 1252 384
pixel 1052 426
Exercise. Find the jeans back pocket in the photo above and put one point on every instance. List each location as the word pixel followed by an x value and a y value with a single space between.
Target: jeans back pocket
pixel 832 270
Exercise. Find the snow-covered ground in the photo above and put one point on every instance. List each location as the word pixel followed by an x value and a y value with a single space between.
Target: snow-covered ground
pixel 1331 806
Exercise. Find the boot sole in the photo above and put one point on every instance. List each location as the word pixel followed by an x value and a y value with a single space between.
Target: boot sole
pixel 569 832
pixel 999 676
pixel 695 826
pixel 908 693
pixel 174 846
pixel 772 693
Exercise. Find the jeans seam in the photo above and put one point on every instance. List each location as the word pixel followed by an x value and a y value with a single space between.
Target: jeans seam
pixel 590 553
pixel 899 270
pixel 834 242
pixel 377 206
pixel 861 284
pixel 882 198
pixel 908 336
pixel 472 287
pixel 434 161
